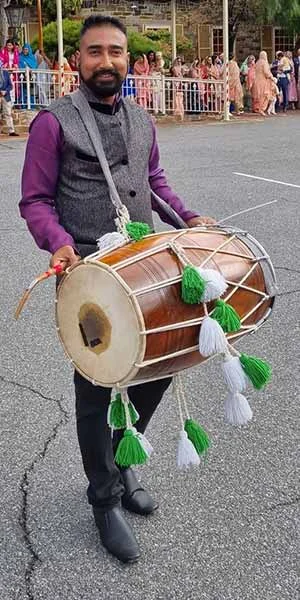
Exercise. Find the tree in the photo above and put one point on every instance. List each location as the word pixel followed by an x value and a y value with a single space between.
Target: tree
pixel 69 8
pixel 241 11
pixel 285 12
pixel 71 33
pixel 3 23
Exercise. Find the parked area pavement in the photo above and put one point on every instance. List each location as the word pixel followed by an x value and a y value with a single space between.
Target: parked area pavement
pixel 225 531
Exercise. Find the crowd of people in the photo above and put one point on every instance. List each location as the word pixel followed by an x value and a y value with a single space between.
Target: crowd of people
pixel 256 86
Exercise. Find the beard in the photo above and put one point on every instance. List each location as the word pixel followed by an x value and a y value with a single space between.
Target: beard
pixel 104 89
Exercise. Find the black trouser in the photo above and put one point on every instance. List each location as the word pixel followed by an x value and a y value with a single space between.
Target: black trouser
pixel 94 435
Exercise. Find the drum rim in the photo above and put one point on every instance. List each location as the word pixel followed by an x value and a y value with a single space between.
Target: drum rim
pixel 137 310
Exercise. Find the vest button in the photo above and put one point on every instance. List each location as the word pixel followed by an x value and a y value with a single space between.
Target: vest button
pixel 124 161
pixel 132 193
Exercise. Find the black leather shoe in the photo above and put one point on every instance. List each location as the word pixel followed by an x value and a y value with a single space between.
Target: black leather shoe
pixel 135 498
pixel 116 535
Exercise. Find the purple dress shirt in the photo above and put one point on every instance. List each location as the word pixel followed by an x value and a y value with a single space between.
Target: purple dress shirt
pixel 40 178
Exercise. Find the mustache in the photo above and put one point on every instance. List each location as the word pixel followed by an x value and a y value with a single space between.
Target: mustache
pixel 106 72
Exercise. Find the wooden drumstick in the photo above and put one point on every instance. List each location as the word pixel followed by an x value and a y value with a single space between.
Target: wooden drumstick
pixel 56 270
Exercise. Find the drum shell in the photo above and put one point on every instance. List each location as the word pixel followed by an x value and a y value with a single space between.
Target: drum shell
pixel 163 307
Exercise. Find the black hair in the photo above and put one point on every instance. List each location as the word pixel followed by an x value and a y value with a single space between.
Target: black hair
pixel 10 41
pixel 151 52
pixel 101 21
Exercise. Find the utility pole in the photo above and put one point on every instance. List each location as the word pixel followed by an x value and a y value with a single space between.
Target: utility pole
pixel 40 25
pixel 173 29
pixel 60 46
pixel 226 60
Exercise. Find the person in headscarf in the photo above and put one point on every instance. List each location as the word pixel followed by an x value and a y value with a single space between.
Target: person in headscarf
pixel 141 69
pixel 27 59
pixel 235 86
pixel 176 72
pixel 262 88
pixel 5 99
pixel 247 71
pixel 43 77
pixel 293 96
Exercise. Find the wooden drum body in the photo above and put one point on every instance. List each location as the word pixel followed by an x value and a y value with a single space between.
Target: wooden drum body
pixel 120 315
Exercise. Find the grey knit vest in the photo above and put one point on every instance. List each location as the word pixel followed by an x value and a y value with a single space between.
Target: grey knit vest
pixel 82 200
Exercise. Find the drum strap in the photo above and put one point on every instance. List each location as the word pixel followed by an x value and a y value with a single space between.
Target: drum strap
pixel 80 102
pixel 86 114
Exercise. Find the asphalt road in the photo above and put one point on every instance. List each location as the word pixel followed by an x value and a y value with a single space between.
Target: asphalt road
pixel 226 531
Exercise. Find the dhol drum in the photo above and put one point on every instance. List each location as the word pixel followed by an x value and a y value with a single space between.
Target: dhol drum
pixel 120 315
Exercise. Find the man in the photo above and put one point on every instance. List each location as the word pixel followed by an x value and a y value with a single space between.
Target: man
pixel 283 78
pixel 67 207
pixel 5 100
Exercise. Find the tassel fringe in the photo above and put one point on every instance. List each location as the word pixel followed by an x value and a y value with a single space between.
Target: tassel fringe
pixel 226 316
pixel 211 338
pixel 111 240
pixel 130 450
pixel 234 375
pixel 192 285
pixel 215 284
pixel 258 371
pixel 186 452
pixel 197 435
pixel 237 409
pixel 137 230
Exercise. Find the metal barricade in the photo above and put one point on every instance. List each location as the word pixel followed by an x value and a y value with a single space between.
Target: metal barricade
pixel 158 94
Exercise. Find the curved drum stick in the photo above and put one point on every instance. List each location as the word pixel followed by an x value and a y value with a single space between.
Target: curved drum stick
pixel 56 270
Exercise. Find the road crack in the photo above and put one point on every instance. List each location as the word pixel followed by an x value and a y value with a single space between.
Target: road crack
pixel 25 483
pixel 285 503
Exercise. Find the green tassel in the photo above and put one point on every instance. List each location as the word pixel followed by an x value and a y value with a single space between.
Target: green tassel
pixel 258 371
pixel 192 285
pixel 130 450
pixel 197 435
pixel 116 413
pixel 226 316
pixel 137 230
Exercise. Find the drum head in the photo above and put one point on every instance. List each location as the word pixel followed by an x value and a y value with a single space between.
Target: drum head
pixel 99 324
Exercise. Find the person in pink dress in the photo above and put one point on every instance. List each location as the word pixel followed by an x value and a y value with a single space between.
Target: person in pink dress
pixel 293 95
pixel 9 56
pixel 141 68
pixel 176 72
pixel 262 87
pixel 236 95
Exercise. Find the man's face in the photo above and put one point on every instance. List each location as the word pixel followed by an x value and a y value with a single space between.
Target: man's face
pixel 103 60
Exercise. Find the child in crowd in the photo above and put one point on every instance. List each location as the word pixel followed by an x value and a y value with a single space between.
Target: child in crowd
pixel 275 92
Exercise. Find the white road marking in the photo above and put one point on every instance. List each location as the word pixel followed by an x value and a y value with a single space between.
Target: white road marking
pixel 269 180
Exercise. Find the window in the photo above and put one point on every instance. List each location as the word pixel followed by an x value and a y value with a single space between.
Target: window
pixel 283 40
pixel 217 40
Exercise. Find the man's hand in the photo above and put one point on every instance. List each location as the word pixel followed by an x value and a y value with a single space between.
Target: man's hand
pixel 198 221
pixel 65 256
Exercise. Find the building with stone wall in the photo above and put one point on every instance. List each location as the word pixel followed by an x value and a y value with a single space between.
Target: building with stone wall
pixel 196 20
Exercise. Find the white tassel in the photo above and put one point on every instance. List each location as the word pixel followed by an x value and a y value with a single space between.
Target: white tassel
pixel 234 375
pixel 215 284
pixel 111 240
pixel 237 409
pixel 212 339
pixel 145 443
pixel 186 452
